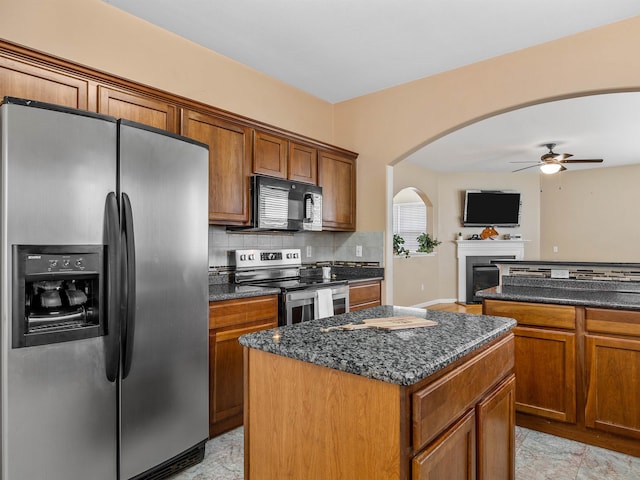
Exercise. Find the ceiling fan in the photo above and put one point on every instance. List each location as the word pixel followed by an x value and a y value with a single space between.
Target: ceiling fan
pixel 552 162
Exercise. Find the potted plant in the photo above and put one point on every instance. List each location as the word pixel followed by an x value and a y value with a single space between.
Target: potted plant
pixel 427 243
pixel 398 246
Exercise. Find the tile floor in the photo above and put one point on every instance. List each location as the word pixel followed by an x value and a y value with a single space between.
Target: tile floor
pixel 538 457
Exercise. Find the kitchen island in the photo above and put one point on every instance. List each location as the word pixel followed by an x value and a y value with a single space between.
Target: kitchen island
pixel 377 404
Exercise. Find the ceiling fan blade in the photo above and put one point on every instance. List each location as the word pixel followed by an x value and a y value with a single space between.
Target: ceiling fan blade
pixel 525 161
pixel 562 168
pixel 583 160
pixel 524 168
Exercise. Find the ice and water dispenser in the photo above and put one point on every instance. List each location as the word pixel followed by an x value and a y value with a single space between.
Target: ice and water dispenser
pixel 57 294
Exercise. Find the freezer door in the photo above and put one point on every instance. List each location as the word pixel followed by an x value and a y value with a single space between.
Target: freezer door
pixel 164 392
pixel 59 418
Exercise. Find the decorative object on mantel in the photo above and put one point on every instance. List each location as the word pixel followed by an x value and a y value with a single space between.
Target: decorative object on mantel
pixel 427 244
pixel 490 233
pixel 398 246
pixel 459 236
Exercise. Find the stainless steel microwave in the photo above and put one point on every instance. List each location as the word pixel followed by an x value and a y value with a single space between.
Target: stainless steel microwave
pixel 285 205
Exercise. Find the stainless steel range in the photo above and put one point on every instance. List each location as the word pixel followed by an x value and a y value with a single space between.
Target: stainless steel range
pixel 301 297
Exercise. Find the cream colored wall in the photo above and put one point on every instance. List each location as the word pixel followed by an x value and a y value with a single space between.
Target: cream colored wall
pixel 416 279
pixel 385 126
pixel 591 215
pixel 422 280
pixel 95 34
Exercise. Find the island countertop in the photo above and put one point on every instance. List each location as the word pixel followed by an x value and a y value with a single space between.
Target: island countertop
pixel 402 357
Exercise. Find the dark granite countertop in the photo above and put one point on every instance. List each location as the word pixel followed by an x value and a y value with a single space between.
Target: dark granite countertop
pixel 602 294
pixel 232 291
pixel 568 263
pixel 402 357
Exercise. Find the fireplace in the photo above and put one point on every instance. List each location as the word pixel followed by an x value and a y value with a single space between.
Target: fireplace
pixel 483 251
pixel 481 274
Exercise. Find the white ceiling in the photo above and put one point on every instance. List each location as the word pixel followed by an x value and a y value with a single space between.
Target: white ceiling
pixel 341 49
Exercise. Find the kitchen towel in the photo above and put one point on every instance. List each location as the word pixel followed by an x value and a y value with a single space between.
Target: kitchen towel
pixel 324 303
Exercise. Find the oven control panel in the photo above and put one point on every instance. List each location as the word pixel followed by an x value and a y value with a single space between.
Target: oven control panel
pixel 267 258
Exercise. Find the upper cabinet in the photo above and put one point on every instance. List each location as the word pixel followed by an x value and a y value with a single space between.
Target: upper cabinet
pixel 238 146
pixel 269 154
pixel 229 165
pixel 337 177
pixel 303 163
pixel 145 110
pixel 24 80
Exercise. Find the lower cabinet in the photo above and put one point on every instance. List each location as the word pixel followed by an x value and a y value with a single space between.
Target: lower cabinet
pixel 452 456
pixel 365 294
pixel 545 357
pixel 228 320
pixel 578 371
pixel 480 445
pixel 613 372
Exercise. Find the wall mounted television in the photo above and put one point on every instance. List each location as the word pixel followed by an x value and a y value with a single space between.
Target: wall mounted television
pixel 498 208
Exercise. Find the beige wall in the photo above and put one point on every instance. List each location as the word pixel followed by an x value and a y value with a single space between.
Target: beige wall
pixel 385 126
pixel 423 280
pixel 95 34
pixel 591 215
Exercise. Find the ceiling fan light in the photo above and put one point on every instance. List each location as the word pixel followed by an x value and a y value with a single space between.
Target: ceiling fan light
pixel 550 168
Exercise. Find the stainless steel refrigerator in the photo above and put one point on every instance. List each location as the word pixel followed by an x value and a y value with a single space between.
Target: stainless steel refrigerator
pixel 103 296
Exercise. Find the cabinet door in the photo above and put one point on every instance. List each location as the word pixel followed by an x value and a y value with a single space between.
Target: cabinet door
pixel 451 456
pixel 546 371
pixel 22 80
pixel 613 393
pixel 364 295
pixel 303 163
pixel 145 110
pixel 337 177
pixel 229 165
pixel 496 432
pixel 226 377
pixel 269 154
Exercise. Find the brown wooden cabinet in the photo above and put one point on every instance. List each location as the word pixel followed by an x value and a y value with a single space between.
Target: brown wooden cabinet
pixel 146 110
pixel 337 177
pixel 612 352
pixel 437 428
pixel 303 163
pixel 228 320
pixel 578 371
pixel 545 357
pixel 496 432
pixel 229 165
pixel 364 294
pixel 269 154
pixel 19 78
pixel 32 75
pixel 452 456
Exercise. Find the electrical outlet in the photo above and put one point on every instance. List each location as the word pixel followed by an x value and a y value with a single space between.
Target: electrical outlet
pixel 309 251
pixel 358 250
pixel 555 249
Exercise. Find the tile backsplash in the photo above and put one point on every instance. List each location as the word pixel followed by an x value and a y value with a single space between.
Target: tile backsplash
pixel 324 246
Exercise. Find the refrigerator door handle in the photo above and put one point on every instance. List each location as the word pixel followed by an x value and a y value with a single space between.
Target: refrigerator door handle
pixel 112 237
pixel 128 285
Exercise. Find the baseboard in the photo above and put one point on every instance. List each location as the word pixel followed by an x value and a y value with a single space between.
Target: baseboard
pixel 435 302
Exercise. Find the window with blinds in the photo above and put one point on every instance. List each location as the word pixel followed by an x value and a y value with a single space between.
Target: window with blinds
pixel 409 221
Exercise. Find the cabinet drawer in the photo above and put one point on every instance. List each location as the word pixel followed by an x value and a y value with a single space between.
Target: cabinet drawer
pixel 364 292
pixel 536 314
pixel 617 322
pixel 450 396
pixel 246 310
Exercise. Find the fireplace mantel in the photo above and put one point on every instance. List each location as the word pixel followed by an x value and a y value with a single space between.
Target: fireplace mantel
pixel 473 248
